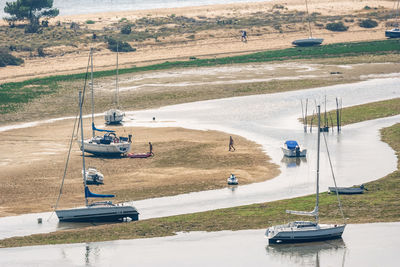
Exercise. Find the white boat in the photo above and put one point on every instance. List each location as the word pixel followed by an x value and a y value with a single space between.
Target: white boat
pixel 306 231
pixel 109 143
pixel 93 176
pixel 310 41
pixel 292 149
pixel 395 32
pixel 114 115
pixel 96 211
pixel 232 180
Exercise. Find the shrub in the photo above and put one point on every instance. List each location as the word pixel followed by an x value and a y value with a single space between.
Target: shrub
pixel 8 59
pixel 119 46
pixel 126 29
pixel 368 23
pixel 41 52
pixel 90 22
pixel 336 27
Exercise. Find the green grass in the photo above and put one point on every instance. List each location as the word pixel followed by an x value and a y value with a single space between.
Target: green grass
pixel 14 95
pixel 370 111
pixel 382 198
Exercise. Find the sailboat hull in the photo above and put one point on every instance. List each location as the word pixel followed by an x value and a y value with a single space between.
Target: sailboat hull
pixel 98 214
pixel 309 234
pixel 308 42
pixel 105 149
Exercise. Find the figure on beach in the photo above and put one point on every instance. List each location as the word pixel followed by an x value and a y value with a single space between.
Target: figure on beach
pixel 231 147
pixel 244 36
pixel 151 149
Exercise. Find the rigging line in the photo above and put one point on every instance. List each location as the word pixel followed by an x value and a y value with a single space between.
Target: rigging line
pixel 69 150
pixel 84 90
pixel 334 179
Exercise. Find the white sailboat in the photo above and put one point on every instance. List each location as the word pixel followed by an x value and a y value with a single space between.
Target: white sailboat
pixel 310 41
pixel 306 231
pixel 96 211
pixel 114 115
pixel 109 143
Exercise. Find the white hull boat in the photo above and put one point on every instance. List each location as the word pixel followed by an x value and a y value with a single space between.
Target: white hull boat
pixel 306 231
pixel 232 180
pixel 114 116
pixel 292 149
pixel 303 231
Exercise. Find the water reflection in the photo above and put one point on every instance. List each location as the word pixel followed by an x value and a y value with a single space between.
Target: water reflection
pixel 293 162
pixel 306 254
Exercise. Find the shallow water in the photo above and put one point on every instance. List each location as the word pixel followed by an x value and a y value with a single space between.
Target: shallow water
pixel 74 7
pixel 226 248
pixel 267 120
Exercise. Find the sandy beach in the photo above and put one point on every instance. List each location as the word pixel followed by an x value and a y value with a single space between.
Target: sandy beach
pixel 206 43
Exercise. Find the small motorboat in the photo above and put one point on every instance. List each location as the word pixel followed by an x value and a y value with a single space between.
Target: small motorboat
pixel 93 176
pixel 348 190
pixel 393 33
pixel 292 149
pixel 232 180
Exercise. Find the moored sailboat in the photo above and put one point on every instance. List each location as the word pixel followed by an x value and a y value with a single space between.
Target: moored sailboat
pixel 96 211
pixel 310 41
pixel 306 231
pixel 109 143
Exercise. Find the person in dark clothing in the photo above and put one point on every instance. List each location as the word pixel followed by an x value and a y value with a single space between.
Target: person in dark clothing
pixel 231 147
pixel 151 148
pixel 244 36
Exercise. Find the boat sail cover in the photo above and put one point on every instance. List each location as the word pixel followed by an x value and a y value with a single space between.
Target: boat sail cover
pixel 291 144
pixel 101 130
pixel 90 194
pixel 305 213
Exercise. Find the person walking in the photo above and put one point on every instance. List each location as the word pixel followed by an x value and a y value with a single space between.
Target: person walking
pixel 231 147
pixel 244 36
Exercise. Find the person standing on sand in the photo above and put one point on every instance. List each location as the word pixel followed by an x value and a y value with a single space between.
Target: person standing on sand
pixel 151 148
pixel 244 36
pixel 231 147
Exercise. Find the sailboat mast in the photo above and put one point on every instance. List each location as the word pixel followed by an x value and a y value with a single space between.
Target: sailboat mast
pixel 318 148
pixel 91 88
pixel 308 18
pixel 116 81
pixel 83 148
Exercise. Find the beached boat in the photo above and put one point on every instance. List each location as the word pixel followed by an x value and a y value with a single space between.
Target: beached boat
pixel 310 41
pixel 232 180
pixel 306 231
pixel 93 176
pixel 393 33
pixel 114 115
pixel 347 190
pixel 292 149
pixel 109 143
pixel 96 211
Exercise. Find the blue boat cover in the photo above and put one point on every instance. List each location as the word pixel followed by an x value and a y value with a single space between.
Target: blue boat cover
pixel 291 144
pixel 101 130
pixel 90 194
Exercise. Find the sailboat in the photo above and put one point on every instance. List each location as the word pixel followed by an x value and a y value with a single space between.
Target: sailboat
pixel 395 32
pixel 109 143
pixel 96 211
pixel 306 231
pixel 114 115
pixel 310 41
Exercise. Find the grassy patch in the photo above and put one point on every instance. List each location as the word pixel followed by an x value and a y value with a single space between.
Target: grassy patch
pixel 369 111
pixel 382 199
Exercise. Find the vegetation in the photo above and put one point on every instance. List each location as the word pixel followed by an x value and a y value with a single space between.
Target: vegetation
pixel 126 29
pixel 13 95
pixel 336 27
pixel 368 23
pixel 381 197
pixel 119 46
pixel 89 21
pixel 31 10
pixel 8 59
pixel 370 111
